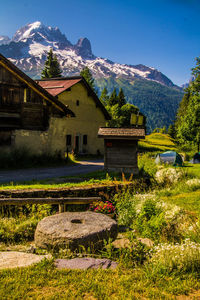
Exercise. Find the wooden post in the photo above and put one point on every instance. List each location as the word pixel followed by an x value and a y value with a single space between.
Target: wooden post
pixel 61 208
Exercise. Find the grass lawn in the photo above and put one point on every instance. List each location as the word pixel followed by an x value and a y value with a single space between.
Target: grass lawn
pixel 157 142
pixel 192 169
pixel 185 195
pixel 189 201
pixel 45 282
pixel 90 179
pixel 47 186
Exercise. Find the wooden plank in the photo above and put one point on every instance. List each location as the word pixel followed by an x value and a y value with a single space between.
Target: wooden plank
pixel 68 200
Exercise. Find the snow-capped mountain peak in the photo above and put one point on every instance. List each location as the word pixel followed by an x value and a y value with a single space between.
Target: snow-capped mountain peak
pixel 38 32
pixel 30 44
pixel 4 39
pixel 27 31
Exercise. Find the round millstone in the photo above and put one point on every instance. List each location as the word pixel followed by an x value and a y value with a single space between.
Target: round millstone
pixel 75 229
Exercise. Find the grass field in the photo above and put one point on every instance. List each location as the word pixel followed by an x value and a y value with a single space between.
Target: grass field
pixel 157 142
pixel 90 179
pixel 189 201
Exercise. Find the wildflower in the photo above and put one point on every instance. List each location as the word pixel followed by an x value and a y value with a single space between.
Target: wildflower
pixel 103 207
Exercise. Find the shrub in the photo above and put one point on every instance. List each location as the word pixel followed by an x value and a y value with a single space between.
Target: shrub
pixel 125 205
pixel 150 220
pixel 155 219
pixel 18 224
pixel 135 253
pixel 181 258
pixel 169 175
pixel 193 184
pixel 17 229
pixel 147 165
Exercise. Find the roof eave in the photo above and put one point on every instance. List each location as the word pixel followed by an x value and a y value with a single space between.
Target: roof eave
pixel 32 84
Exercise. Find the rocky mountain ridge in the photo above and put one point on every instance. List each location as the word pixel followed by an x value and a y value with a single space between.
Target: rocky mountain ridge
pixel 30 44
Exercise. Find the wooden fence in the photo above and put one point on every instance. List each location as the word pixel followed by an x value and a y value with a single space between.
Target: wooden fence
pixel 62 202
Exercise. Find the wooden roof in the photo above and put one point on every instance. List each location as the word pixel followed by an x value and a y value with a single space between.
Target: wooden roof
pixel 121 133
pixel 56 86
pixel 8 65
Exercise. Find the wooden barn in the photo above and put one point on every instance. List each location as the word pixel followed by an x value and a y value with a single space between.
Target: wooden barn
pixel 26 110
pixel 120 144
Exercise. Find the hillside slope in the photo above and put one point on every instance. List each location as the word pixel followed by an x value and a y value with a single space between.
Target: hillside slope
pixel 158 102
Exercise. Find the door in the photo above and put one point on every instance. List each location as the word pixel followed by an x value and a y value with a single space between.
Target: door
pixel 77 144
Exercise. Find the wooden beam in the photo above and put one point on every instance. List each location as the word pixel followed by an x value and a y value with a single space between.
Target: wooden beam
pixel 68 200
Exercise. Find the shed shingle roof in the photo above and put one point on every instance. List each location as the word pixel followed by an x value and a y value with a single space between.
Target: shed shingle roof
pixel 134 133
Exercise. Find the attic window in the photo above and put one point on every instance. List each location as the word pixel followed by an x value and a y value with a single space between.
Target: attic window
pixel 77 102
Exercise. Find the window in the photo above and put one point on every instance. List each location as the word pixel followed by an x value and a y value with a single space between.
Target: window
pixel 68 140
pixel 85 139
pixel 77 102
pixel 1 94
pixel 5 138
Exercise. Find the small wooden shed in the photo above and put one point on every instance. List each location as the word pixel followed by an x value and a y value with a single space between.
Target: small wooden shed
pixel 121 148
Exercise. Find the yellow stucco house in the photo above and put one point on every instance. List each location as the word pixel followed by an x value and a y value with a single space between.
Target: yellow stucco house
pixel 78 133
pixel 48 116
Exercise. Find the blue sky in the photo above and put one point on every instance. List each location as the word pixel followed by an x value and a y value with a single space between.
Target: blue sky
pixel 164 34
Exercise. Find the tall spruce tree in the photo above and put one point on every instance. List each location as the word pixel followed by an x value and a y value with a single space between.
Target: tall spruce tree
pixel 52 67
pixel 172 131
pixel 121 98
pixel 87 75
pixel 113 100
pixel 104 96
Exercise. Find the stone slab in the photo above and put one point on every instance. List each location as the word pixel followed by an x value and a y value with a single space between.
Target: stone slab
pixel 85 263
pixel 14 259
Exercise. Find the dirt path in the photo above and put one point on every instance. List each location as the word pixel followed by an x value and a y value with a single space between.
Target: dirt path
pixel 82 167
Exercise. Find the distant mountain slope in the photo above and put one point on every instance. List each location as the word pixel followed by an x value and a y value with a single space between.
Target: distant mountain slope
pixel 149 89
pixel 158 102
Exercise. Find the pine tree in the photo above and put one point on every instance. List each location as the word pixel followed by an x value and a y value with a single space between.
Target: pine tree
pixel 52 67
pixel 87 75
pixel 113 98
pixel 121 98
pixel 188 119
pixel 172 131
pixel 104 96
